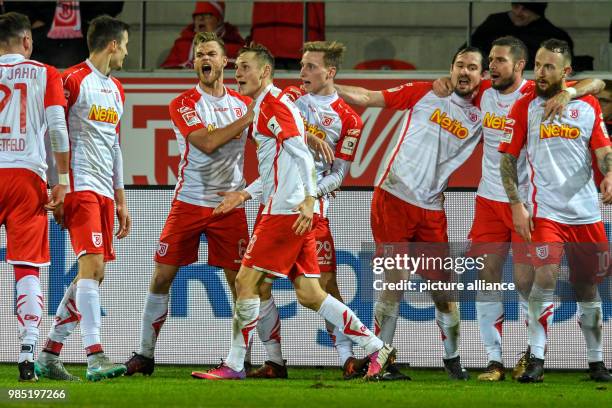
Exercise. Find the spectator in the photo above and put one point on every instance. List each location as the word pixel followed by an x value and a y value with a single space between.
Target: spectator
pixel 605 100
pixel 59 28
pixel 279 27
pixel 525 21
pixel 208 16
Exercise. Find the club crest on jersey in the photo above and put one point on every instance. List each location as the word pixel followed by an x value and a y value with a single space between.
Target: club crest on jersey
pixel 101 114
pixel 452 126
pixel 542 252
pixel 553 130
pixel 162 249
pixel 238 112
pixel 327 120
pixel 574 113
pixel 473 117
pixel 96 238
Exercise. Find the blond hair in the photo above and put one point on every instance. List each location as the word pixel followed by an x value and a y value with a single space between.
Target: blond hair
pixel 333 51
pixel 204 37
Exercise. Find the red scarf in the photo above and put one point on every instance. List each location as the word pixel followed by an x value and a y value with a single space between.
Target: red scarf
pixel 66 21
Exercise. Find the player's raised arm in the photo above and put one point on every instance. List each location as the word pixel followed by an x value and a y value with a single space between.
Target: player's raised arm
pixel 356 95
pixel 555 105
pixel 209 141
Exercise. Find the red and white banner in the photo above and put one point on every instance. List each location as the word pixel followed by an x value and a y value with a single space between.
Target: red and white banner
pixel 151 154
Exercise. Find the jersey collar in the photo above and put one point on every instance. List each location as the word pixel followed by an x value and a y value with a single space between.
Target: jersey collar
pixel 11 58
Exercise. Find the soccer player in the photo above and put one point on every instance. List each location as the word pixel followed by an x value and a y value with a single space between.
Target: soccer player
pixel 332 123
pixel 492 228
pixel 210 123
pixel 283 243
pixel 437 136
pixel 95 106
pixel 33 102
pixel 562 200
pixel 605 100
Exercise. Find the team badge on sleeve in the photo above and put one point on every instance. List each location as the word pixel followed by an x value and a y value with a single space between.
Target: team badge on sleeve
pixel 508 131
pixel 191 118
pixel 273 126
pixel 350 142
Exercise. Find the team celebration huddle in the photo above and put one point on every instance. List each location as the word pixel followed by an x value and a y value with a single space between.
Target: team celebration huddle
pixel 547 156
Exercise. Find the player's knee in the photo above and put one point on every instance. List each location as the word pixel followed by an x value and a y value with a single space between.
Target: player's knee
pixel 91 266
pixel 444 306
pixel 163 275
pixel 265 290
pixel 311 299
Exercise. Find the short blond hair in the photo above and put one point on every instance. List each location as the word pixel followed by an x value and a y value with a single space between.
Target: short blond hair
pixel 204 37
pixel 333 51
pixel 262 54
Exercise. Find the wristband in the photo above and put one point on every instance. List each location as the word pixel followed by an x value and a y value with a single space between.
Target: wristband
pixel 64 179
pixel 571 91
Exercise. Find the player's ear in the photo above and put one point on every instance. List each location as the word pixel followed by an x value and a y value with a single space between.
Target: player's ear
pixel 224 61
pixel 567 71
pixel 332 72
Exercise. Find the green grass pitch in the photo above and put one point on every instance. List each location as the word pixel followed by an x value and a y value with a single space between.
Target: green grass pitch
pixel 172 386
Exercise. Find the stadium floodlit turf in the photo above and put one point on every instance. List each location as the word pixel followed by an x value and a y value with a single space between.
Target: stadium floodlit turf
pixel 172 386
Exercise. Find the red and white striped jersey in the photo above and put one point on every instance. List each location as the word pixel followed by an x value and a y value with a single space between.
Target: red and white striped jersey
pixel 329 118
pixel 27 88
pixel 495 108
pixel 277 119
pixel 559 157
pixel 437 136
pixel 201 176
pixel 95 106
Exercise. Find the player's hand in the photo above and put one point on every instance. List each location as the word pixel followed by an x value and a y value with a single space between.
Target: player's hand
pixel 303 224
pixel 58 215
pixel 322 149
pixel 442 87
pixel 523 223
pixel 231 200
pixel 125 221
pixel 250 113
pixel 606 189
pixel 58 192
pixel 555 106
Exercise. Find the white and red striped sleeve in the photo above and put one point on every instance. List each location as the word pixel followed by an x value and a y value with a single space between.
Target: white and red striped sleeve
pixel 54 92
pixel 184 115
pixel 515 132
pixel 405 96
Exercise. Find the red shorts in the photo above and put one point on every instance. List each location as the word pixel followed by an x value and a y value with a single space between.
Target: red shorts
pixel 227 236
pixel 586 245
pixel 493 230
pixel 22 212
pixel 395 221
pixel 276 250
pixel 89 218
pixel 326 252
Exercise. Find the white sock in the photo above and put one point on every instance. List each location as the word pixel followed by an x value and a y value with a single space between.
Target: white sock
pixel 449 330
pixel 269 329
pixel 490 320
pixel 385 320
pixel 245 319
pixel 590 321
pixel 344 346
pixel 29 309
pixel 66 317
pixel 88 304
pixel 342 317
pixel 153 318
pixel 524 306
pixel 541 313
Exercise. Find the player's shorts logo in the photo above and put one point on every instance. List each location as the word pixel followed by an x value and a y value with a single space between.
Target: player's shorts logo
pixel 162 249
pixel 250 246
pixel 542 252
pixel 96 238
